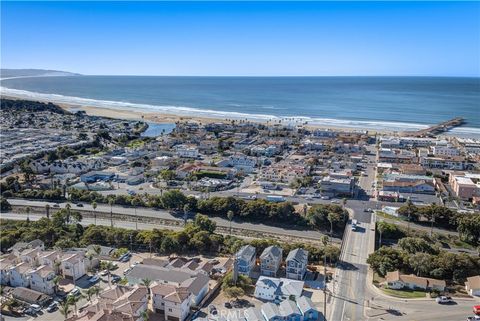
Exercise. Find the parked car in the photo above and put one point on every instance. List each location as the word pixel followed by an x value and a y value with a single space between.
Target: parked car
pixel 125 272
pixel 104 272
pixel 325 197
pixel 94 279
pixel 474 318
pixel 116 278
pixel 213 310
pixel 31 312
pixel 74 292
pixel 36 307
pixel 52 307
pixel 79 205
pixel 228 305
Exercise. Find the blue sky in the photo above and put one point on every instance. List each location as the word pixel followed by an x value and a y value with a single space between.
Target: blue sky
pixel 248 38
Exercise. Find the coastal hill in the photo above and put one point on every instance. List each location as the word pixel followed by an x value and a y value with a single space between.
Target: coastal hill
pixel 7 73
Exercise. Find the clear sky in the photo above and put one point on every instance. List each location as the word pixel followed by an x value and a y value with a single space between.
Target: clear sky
pixel 248 38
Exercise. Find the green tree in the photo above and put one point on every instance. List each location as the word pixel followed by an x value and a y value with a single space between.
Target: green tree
pixel 65 309
pixel 204 223
pixel 234 292
pixel 386 259
pixel 94 206
pixel 230 216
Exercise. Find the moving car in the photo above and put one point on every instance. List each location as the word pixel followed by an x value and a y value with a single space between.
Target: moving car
pixel 443 299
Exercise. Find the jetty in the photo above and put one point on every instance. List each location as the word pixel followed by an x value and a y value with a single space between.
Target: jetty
pixel 437 129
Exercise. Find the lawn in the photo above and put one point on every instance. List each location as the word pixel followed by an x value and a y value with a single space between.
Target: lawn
pixel 404 294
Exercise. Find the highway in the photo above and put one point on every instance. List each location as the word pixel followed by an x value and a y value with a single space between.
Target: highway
pixel 288 231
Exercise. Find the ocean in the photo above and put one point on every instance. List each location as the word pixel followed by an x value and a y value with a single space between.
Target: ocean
pixel 391 103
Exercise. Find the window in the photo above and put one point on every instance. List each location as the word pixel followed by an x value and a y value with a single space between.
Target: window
pixel 169 310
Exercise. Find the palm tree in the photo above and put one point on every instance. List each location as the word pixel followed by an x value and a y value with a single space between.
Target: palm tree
pixel 186 209
pixel 147 282
pixel 110 202
pixel 68 207
pixel 381 227
pixel 109 267
pixel 73 300
pixel 230 215
pixel 332 217
pixel 94 206
pixel 55 281
pixel 47 210
pixel 65 309
pixel 145 315
pixel 27 210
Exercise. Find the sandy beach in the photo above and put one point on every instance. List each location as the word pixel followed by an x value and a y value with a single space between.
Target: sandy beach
pixel 163 118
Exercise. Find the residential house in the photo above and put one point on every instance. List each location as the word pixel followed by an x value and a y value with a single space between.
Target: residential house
pixel 445 162
pixel 5 265
pixel 246 260
pixel 73 265
pixel 187 151
pixel 271 312
pixel 290 311
pixel 296 264
pixel 473 285
pixel 50 259
pixel 41 279
pixel 308 309
pixel 19 247
pixel 173 302
pixel 18 275
pixel 395 280
pixel 277 289
pixel 270 260
pixel 254 314
pixel 416 187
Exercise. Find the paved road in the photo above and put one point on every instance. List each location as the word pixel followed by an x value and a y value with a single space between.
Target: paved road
pixel 348 288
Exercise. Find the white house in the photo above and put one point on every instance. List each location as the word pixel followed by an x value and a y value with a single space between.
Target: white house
pixel 170 300
pixel 5 266
pixel 473 285
pixel 395 280
pixel 19 276
pixel 73 265
pixel 277 289
pixel 41 279
pixel 186 151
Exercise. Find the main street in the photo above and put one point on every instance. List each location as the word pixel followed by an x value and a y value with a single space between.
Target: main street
pixel 349 284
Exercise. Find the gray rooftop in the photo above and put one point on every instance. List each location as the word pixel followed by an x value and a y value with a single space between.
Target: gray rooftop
pixel 246 252
pixel 305 304
pixel 288 307
pixel 271 310
pixel 272 250
pixel 298 254
pixel 155 273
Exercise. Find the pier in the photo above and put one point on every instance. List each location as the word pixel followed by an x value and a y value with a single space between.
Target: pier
pixel 438 128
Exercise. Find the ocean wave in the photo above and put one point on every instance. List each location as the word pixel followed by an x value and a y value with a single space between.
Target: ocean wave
pixel 210 113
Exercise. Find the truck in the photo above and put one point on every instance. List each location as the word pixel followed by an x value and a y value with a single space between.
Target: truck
pixel 275 198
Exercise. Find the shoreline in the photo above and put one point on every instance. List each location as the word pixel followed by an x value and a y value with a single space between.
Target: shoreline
pixel 165 118
pixel 114 110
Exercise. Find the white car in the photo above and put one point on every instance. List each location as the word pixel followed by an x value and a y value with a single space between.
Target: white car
pixel 474 318
pixel 36 307
pixel 74 292
pixel 443 299
pixel 125 272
